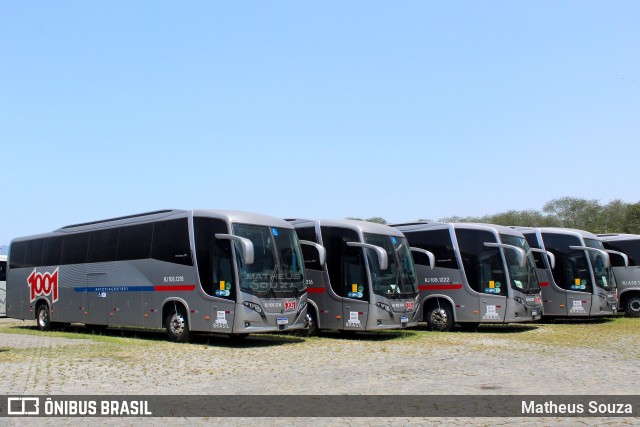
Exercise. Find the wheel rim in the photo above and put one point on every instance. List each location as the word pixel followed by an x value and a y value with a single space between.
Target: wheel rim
pixel 42 318
pixel 176 325
pixel 634 305
pixel 439 317
pixel 309 324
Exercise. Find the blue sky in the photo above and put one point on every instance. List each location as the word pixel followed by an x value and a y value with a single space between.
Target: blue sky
pixel 405 110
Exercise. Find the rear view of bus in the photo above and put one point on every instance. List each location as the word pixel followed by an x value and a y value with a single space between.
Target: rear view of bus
pixel 574 270
pixel 212 271
pixel 482 274
pixel 625 263
pixel 360 276
pixel 3 285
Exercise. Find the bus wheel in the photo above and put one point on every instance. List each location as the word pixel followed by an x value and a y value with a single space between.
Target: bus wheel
pixel 42 318
pixel 632 306
pixel 311 323
pixel 177 325
pixel 440 318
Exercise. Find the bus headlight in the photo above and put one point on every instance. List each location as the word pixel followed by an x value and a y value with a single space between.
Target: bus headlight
pixel 384 306
pixel 253 306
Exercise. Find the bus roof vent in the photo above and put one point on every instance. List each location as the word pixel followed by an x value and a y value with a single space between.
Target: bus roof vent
pixel 410 223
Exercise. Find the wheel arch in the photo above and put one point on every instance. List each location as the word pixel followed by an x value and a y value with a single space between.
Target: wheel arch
pixel 171 303
pixel 433 300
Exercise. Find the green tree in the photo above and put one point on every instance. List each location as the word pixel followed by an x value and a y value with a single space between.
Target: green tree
pixel 376 219
pixel 572 212
pixel 632 219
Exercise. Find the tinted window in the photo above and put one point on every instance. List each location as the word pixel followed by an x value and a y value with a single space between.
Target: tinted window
pixel 52 249
pixel 437 242
pixel 171 242
pixel 571 271
pixel 483 265
pixel 215 266
pixel 103 245
pixel 17 252
pixel 74 248
pixel 345 264
pixel 135 242
pixel 629 247
pixel 3 271
pixel 532 240
pixel 34 253
pixel 309 253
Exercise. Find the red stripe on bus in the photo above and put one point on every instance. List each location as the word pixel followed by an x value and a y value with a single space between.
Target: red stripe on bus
pixel 451 287
pixel 173 288
pixel 316 290
pixel 543 284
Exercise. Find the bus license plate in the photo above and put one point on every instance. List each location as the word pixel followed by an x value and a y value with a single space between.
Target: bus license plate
pixel 534 312
pixel 282 320
pixel 404 319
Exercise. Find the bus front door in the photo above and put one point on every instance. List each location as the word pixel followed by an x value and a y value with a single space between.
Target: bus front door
pixel 578 303
pixel 355 301
pixel 493 308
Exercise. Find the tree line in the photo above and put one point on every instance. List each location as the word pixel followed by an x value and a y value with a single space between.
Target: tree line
pixel 616 216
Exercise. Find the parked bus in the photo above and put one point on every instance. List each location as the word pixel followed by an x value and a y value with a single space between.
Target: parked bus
pixel 626 269
pixel 368 281
pixel 3 285
pixel 187 271
pixel 576 280
pixel 483 274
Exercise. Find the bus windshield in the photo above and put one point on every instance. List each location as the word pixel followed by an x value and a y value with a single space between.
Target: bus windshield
pixel 524 279
pixel 603 275
pixel 277 270
pixel 399 279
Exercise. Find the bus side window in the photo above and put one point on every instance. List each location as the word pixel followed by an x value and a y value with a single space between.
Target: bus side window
pixel 354 274
pixel 309 254
pixel 343 261
pixel 215 263
pixel 17 252
pixel 3 271
pixel 483 266
pixel 437 242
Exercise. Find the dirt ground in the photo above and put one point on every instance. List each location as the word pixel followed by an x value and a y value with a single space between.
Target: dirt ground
pixel 560 358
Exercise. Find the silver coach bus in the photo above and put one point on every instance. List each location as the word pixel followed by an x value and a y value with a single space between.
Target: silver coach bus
pixel 202 270
pixel 576 279
pixel 368 281
pixel 3 285
pixel 626 269
pixel 483 274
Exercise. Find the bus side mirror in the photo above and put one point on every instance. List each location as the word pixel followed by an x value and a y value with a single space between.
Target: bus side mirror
pixel 625 258
pixel 520 253
pixel 605 255
pixel 430 255
pixel 383 259
pixel 552 257
pixel 246 246
pixel 322 252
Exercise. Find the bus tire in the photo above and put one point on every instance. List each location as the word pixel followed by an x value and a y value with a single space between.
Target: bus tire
pixel 312 323
pixel 632 306
pixel 439 317
pixel 43 319
pixel 177 325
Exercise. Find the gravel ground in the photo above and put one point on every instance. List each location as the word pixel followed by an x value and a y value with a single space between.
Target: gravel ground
pixel 493 361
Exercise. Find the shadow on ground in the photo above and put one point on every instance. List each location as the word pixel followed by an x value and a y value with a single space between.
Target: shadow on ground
pixel 217 340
